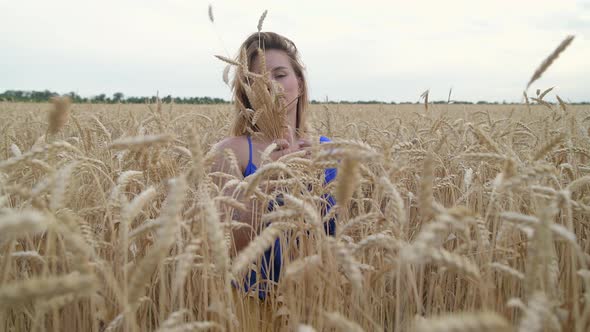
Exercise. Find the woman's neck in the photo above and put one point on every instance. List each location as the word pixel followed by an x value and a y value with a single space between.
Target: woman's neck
pixel 292 123
pixel 291 135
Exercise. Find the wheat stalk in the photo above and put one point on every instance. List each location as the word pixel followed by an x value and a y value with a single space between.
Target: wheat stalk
pixel 44 289
pixel 210 12
pixel 261 21
pixel 348 179
pixel 254 249
pixel 341 323
pixel 550 59
pixel 464 322
pixel 59 115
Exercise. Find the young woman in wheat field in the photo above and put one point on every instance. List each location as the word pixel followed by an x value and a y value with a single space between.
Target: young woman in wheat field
pixel 275 57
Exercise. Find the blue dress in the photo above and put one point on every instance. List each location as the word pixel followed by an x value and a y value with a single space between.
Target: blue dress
pixel 273 259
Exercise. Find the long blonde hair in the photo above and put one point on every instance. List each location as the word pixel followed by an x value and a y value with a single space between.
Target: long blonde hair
pixel 267 41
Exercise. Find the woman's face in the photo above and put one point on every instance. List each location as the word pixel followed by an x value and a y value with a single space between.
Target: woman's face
pixel 279 68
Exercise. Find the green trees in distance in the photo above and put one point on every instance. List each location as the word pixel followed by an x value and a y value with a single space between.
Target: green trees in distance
pixel 119 97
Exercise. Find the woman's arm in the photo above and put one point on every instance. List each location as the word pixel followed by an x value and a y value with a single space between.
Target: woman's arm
pixel 241 236
pixel 251 215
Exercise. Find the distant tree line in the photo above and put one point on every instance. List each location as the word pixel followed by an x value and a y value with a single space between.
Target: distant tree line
pixel 119 97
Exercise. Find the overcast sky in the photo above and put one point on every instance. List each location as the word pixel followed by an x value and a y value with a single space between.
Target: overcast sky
pixel 353 50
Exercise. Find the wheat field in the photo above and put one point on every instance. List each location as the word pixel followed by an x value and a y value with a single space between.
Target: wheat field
pixel 451 218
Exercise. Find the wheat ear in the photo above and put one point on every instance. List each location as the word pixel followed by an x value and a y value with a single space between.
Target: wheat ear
pixel 465 322
pixel 549 60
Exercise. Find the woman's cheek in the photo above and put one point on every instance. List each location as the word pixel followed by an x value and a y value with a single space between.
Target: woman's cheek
pixel 290 85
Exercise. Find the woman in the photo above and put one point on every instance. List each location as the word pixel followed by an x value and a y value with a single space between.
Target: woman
pixel 282 63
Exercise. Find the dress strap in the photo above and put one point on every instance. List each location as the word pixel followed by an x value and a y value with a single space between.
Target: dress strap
pixel 250 147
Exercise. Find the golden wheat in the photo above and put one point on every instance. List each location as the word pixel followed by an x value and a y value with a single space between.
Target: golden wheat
pixel 465 218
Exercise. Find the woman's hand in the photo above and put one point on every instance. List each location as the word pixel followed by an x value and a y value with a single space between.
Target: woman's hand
pixel 304 143
pixel 284 147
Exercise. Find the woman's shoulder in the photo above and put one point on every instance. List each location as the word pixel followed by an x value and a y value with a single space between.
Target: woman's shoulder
pixel 232 142
pixel 237 144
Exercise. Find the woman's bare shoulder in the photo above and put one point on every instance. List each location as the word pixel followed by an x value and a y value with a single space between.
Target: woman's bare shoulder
pixel 238 145
pixel 235 143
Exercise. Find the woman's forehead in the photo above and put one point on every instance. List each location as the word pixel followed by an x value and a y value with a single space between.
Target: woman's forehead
pixel 275 60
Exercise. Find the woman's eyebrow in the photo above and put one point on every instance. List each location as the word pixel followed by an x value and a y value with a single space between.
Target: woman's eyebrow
pixel 279 68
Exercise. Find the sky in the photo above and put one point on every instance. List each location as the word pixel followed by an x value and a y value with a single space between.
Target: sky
pixel 352 50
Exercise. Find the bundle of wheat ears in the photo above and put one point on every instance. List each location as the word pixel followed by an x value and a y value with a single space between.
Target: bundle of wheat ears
pixel 268 113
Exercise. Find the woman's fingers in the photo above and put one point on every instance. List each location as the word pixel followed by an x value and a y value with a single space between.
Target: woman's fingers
pixel 304 143
pixel 283 152
pixel 284 148
pixel 307 150
pixel 282 144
